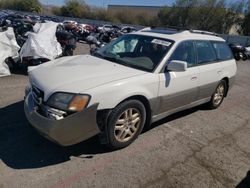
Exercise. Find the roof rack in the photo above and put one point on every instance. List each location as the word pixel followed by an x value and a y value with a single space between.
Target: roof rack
pixel 203 32
pixel 180 29
pixel 174 28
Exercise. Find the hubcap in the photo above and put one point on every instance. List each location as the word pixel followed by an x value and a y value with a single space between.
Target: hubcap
pixel 127 125
pixel 219 94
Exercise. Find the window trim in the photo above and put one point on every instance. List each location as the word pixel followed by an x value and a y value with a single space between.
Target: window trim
pixel 166 63
pixel 149 36
pixel 196 54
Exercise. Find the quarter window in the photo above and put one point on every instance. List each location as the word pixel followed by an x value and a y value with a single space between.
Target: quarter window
pixel 205 52
pixel 222 50
pixel 185 52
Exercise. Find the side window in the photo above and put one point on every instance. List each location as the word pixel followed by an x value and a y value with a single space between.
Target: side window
pixel 222 50
pixel 205 52
pixel 185 52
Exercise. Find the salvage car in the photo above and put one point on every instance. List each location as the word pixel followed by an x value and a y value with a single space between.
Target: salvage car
pixel 128 84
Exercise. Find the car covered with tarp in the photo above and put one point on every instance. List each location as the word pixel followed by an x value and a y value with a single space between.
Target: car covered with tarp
pixel 42 43
pixel 8 48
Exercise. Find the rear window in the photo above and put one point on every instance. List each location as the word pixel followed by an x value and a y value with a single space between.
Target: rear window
pixel 222 50
pixel 205 51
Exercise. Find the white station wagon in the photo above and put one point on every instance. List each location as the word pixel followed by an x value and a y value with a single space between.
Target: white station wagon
pixel 125 86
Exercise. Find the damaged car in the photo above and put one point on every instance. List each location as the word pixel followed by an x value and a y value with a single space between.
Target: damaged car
pixel 128 84
pixel 8 49
pixel 41 44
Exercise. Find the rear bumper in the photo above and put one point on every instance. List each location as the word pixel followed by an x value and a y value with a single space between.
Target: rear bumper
pixel 67 131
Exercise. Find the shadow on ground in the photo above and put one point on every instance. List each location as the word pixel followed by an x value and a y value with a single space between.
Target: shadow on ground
pixel 21 147
pixel 179 115
pixel 245 183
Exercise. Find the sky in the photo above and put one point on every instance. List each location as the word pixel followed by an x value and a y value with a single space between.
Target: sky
pixel 100 3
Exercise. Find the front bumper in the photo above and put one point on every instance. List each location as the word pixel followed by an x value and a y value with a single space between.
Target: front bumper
pixel 68 131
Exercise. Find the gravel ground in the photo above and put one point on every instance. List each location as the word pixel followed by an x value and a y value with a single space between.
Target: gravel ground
pixel 194 148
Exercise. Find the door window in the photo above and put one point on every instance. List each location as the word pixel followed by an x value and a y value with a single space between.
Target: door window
pixel 205 52
pixel 185 52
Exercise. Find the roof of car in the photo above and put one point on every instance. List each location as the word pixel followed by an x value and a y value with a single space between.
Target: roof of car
pixel 180 35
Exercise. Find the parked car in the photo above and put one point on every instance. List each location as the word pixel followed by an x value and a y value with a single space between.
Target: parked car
pixel 247 51
pixel 67 41
pixel 105 28
pixel 239 52
pixel 128 84
pixel 128 29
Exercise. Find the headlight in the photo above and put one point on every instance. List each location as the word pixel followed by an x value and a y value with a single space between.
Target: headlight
pixel 69 101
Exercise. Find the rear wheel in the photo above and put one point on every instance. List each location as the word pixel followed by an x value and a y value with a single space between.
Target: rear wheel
pixel 218 96
pixel 244 58
pixel 125 123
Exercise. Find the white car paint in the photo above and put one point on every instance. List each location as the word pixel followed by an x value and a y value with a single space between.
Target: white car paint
pixel 82 73
pixel 109 84
pixel 103 84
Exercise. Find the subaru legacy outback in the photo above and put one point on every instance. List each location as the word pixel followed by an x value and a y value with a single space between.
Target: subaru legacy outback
pixel 128 84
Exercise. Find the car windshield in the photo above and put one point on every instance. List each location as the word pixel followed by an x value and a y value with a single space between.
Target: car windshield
pixel 136 51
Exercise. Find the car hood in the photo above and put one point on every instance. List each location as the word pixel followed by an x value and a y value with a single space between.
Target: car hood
pixel 77 74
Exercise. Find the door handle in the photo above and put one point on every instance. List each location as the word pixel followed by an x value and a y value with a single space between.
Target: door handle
pixel 194 78
pixel 220 71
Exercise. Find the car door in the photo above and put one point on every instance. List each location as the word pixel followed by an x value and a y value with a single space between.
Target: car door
pixel 209 67
pixel 177 89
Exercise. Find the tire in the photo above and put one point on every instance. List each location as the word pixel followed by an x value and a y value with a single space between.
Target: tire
pixel 244 58
pixel 218 95
pixel 236 56
pixel 68 51
pixel 121 130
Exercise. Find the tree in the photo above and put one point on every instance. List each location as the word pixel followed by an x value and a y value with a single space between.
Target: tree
pixel 246 21
pixel 56 11
pixel 246 25
pixel 75 8
pixel 22 5
pixel 210 15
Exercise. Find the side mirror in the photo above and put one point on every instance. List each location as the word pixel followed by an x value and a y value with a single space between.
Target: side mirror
pixel 177 66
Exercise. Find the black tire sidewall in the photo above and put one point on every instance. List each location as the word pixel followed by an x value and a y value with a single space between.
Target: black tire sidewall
pixel 244 58
pixel 116 112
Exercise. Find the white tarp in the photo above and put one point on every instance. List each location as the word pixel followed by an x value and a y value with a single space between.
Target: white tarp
pixel 42 43
pixel 8 48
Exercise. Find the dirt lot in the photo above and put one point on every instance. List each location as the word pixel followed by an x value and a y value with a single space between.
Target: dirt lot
pixel 194 148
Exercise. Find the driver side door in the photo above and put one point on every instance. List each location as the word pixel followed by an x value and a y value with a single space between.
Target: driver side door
pixel 178 89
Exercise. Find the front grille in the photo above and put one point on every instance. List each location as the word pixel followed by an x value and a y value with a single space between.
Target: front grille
pixel 37 95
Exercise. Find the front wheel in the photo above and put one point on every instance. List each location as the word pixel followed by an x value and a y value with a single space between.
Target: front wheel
pixel 218 96
pixel 125 123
